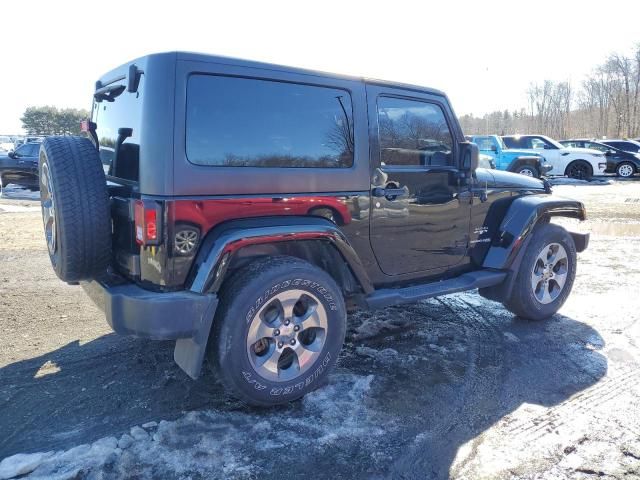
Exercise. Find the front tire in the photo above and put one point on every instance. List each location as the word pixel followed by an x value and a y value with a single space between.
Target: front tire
pixel 546 274
pixel 528 171
pixel 579 170
pixel 625 170
pixel 278 331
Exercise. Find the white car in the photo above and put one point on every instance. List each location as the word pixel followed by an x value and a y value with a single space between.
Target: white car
pixel 582 163
pixel 6 144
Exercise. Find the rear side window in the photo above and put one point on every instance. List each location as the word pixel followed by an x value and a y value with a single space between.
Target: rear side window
pixel 244 122
pixel 596 146
pixel 627 146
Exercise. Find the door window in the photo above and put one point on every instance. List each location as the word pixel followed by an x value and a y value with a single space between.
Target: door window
pixel 413 133
pixel 628 146
pixel 29 150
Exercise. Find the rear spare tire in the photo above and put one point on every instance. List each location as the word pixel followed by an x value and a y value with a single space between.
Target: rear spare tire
pixel 75 207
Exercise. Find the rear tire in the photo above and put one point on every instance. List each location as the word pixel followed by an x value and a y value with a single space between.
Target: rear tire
pixel 625 170
pixel 278 331
pixel 580 170
pixel 75 208
pixel 546 274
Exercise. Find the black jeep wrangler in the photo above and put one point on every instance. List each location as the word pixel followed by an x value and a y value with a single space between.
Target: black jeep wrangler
pixel 242 209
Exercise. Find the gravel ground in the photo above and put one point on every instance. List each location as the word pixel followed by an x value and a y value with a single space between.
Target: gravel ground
pixel 451 387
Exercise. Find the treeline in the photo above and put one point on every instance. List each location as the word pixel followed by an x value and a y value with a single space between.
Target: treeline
pixel 53 121
pixel 605 104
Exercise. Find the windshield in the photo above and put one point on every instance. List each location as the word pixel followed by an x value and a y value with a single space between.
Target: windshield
pixel 553 142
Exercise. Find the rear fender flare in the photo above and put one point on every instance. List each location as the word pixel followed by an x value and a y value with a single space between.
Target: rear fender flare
pixel 223 242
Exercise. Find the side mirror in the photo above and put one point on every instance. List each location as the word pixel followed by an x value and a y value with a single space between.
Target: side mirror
pixel 608 153
pixel 470 156
pixel 494 148
pixel 12 154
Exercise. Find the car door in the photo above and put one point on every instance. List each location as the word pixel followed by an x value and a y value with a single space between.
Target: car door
pixel 420 207
pixel 558 159
pixel 27 157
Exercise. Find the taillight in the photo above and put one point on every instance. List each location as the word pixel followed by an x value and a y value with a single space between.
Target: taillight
pixel 147 217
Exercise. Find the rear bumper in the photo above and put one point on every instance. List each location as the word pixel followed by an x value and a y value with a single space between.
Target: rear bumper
pixel 132 310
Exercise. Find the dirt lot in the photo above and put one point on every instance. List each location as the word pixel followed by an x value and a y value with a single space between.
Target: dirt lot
pixel 454 386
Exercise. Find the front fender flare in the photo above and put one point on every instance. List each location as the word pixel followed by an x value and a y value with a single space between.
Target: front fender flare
pixel 523 160
pixel 519 221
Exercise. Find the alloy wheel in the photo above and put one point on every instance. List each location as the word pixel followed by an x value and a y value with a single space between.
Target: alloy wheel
pixel 579 171
pixel 186 241
pixel 549 273
pixel 48 206
pixel 625 170
pixel 287 335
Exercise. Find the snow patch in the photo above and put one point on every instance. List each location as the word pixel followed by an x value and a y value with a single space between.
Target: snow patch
pixel 215 444
pixel 21 464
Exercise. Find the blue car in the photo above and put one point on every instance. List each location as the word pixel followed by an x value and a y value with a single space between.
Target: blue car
pixel 511 160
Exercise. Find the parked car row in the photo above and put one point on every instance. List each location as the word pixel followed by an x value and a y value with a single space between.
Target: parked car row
pixel 623 156
pixel 539 155
pixel 20 167
pixel 511 160
pixel 8 143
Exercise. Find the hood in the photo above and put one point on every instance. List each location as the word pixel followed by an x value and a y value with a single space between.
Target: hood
pixel 502 179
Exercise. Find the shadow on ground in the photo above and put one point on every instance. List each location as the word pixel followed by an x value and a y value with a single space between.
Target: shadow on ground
pixel 414 383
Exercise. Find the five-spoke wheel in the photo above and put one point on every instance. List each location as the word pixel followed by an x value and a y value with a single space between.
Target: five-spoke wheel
pixel 549 273
pixel 286 335
pixel 545 275
pixel 278 330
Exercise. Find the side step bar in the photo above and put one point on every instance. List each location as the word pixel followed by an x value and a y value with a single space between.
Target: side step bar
pixel 467 281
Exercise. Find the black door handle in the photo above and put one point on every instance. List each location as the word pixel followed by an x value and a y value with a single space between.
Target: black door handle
pixel 390 193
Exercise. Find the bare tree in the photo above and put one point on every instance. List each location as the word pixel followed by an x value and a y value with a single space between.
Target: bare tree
pixel 606 104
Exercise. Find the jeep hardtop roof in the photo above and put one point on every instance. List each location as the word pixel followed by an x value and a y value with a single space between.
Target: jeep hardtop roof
pixel 237 62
